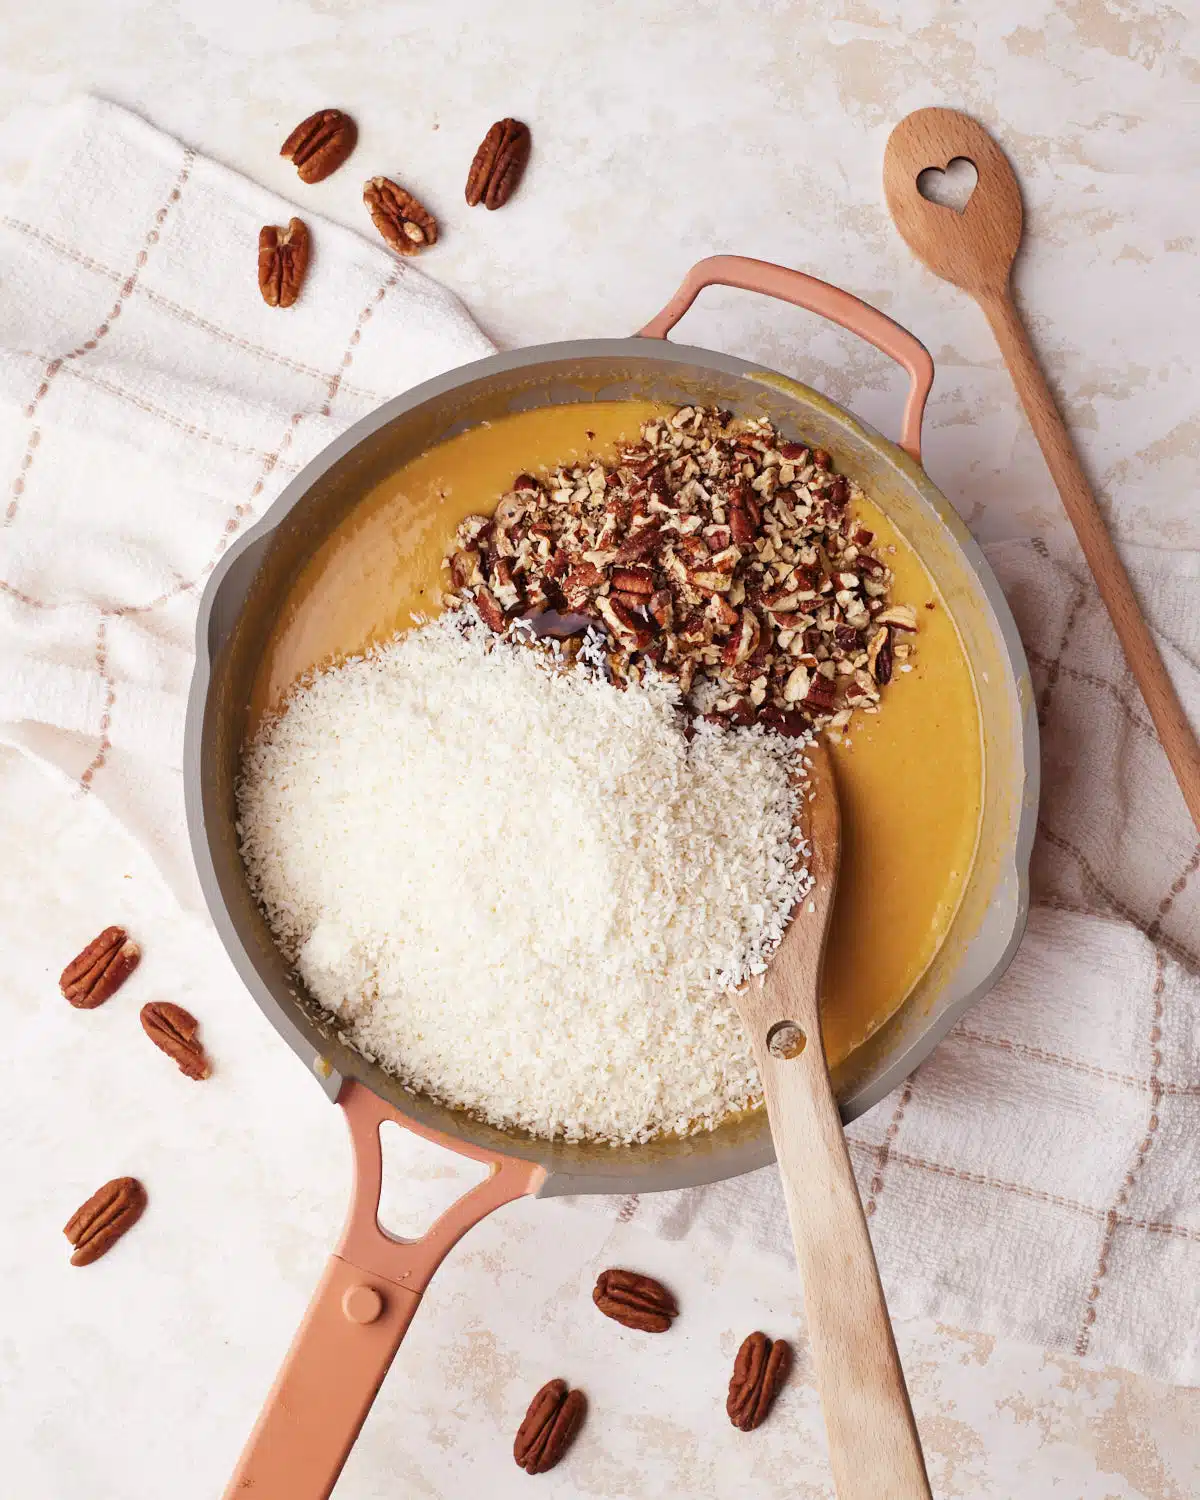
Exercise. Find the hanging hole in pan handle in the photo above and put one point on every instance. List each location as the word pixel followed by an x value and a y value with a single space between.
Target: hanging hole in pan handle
pixel 817 296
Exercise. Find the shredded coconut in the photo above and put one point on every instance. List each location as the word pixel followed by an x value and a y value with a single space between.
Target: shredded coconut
pixel 522 890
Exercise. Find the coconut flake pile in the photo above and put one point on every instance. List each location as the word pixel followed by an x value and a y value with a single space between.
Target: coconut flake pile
pixel 521 890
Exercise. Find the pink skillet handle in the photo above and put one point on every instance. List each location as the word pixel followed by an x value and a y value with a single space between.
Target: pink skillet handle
pixel 819 297
pixel 358 1315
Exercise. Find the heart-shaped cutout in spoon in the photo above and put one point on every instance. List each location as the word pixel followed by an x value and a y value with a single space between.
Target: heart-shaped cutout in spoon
pixel 950 186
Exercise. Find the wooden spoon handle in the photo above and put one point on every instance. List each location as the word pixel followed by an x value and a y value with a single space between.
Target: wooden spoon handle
pixel 874 1449
pixel 1141 651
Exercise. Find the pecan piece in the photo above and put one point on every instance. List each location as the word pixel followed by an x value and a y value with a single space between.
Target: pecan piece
pixel 320 144
pixel 550 1424
pixel 489 610
pixel 634 581
pixel 282 262
pixel 821 696
pixel 661 606
pixel 636 1301
pixel 498 164
pixel 639 544
pixel 173 1031
pixel 465 571
pixel 627 628
pixel 404 222
pixel 879 656
pixel 899 617
pixel 760 1369
pixel 99 1223
pixel 100 970
pixel 741 524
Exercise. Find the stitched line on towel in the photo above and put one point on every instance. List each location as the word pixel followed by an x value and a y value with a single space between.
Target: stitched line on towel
pixel 1169 945
pixel 17 488
pixel 1176 889
pixel 628 1209
pixel 980 1179
pixel 159 412
pixel 240 511
pixel 1090 876
pixel 1054 666
pixel 1074 1065
pixel 1094 680
pixel 1083 1339
pixel 184 314
pixel 333 384
pixel 110 695
pixel 884 1151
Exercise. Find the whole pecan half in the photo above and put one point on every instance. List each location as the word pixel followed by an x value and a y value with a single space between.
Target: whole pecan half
pixel 636 1301
pixel 173 1030
pixel 405 223
pixel 282 262
pixel 498 164
pixel 553 1419
pixel 100 970
pixel 97 1226
pixel 760 1369
pixel 320 144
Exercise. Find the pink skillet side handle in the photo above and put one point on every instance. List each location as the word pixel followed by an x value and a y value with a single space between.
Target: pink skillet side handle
pixel 819 297
pixel 359 1313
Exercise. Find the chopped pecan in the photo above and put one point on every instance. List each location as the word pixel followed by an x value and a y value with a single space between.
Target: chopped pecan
pixel 634 580
pixel 627 628
pixel 173 1030
pixel 795 689
pixel 282 262
pixel 100 970
pixel 821 695
pixel 489 611
pixel 550 1424
pixel 320 144
pixel 761 1367
pixel 661 606
pixel 639 544
pixel 636 1301
pixel 504 585
pixel 465 572
pixel 498 164
pixel 580 584
pixel 98 1224
pixel 879 656
pixel 899 616
pixel 741 524
pixel 744 641
pixel 404 222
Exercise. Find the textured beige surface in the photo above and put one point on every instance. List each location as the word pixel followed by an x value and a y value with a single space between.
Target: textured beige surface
pixel 662 133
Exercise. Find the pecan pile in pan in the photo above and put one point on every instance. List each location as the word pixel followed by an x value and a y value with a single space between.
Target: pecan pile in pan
pixel 714 551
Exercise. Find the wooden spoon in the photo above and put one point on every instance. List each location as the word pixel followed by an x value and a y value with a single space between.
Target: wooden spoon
pixel 874 1449
pixel 974 249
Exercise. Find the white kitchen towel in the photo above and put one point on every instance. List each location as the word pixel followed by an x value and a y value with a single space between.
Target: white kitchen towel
pixel 151 408
pixel 1037 1175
